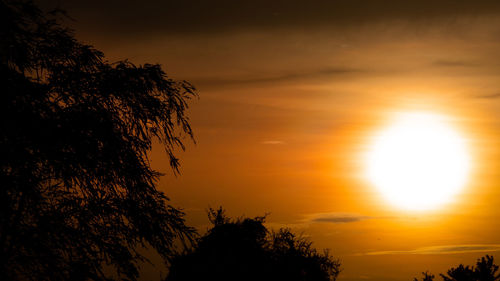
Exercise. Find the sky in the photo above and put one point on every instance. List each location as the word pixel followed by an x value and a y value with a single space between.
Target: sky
pixel 290 95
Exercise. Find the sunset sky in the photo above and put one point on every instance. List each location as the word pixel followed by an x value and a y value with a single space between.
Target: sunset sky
pixel 291 95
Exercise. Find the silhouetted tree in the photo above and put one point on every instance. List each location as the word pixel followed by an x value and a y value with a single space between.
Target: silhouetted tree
pixel 485 270
pixel 426 277
pixel 243 249
pixel 294 258
pixel 78 197
pixel 460 273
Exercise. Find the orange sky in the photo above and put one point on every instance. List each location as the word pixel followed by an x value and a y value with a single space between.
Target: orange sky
pixel 288 104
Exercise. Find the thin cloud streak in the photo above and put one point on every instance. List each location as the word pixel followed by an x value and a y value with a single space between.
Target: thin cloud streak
pixel 453 63
pixel 489 96
pixel 337 218
pixel 321 73
pixel 441 250
pixel 272 142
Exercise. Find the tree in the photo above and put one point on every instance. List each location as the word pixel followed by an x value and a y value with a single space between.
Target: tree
pixel 243 249
pixel 426 277
pixel 78 197
pixel 485 270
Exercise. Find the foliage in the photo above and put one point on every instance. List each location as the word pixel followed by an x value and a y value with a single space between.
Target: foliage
pixel 426 276
pixel 243 249
pixel 78 195
pixel 485 270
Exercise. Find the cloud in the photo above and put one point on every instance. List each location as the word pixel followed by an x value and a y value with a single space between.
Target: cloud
pixel 489 96
pixel 338 218
pixel 441 250
pixel 282 77
pixel 453 63
pixel 272 142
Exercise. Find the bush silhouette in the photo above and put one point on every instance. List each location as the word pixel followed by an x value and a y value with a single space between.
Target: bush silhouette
pixel 77 191
pixel 243 249
pixel 485 270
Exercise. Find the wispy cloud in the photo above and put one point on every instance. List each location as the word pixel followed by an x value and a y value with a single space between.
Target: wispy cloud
pixel 272 142
pixel 454 63
pixel 441 250
pixel 280 77
pixel 489 96
pixel 337 217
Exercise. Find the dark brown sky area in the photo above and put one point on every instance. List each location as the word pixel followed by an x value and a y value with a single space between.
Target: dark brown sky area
pixel 173 17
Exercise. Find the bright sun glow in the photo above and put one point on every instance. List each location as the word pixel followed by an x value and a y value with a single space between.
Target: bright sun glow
pixel 418 162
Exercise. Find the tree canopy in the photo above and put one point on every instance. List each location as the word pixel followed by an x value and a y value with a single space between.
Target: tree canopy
pixel 78 197
pixel 485 270
pixel 243 249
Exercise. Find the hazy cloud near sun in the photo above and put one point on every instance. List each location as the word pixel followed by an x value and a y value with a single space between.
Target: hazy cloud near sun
pixel 440 250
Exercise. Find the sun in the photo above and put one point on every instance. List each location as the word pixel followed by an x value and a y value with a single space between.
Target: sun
pixel 418 162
